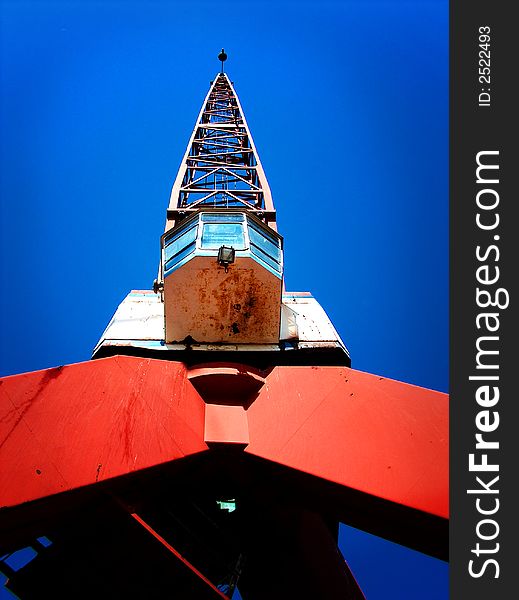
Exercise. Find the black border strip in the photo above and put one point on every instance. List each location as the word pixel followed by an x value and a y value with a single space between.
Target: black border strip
pixel 474 128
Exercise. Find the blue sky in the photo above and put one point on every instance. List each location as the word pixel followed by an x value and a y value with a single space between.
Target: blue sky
pixel 348 106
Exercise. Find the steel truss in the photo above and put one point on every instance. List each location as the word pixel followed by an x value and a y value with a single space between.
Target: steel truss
pixel 221 167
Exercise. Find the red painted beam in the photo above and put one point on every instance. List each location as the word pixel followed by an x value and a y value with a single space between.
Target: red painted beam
pixel 174 552
pixel 68 427
pixel 375 435
pixel 72 426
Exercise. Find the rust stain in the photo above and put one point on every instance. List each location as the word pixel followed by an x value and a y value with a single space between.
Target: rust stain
pixel 235 298
pixel 48 376
pixel 211 305
pixel 128 409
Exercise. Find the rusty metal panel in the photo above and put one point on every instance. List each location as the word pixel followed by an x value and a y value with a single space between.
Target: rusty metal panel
pixel 208 304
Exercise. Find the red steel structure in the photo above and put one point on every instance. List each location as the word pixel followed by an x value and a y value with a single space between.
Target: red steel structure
pixel 165 469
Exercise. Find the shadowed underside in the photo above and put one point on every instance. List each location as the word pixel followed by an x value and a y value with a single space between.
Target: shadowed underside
pixel 116 440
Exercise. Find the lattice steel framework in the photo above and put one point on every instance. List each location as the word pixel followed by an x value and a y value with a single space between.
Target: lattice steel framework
pixel 221 167
pixel 125 462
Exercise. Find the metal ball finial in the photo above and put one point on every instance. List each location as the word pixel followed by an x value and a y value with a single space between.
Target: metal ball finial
pixel 222 57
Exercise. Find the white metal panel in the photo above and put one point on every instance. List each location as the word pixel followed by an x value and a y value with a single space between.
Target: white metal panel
pixel 312 322
pixel 288 329
pixel 139 322
pixel 140 316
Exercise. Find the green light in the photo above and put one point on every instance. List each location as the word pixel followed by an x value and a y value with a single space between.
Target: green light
pixel 229 505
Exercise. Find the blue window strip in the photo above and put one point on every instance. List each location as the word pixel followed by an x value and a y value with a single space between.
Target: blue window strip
pixel 265 245
pixel 266 234
pixel 176 244
pixel 209 218
pixel 215 235
pixel 261 261
pixel 179 256
pixel 178 232
pixel 258 252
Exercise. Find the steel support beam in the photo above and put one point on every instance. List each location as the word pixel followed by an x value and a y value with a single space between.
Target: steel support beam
pixel 309 443
pixel 73 426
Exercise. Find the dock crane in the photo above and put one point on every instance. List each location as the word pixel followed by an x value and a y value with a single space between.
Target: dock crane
pixel 219 435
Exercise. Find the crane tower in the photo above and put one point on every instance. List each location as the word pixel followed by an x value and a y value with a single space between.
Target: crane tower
pixel 219 436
